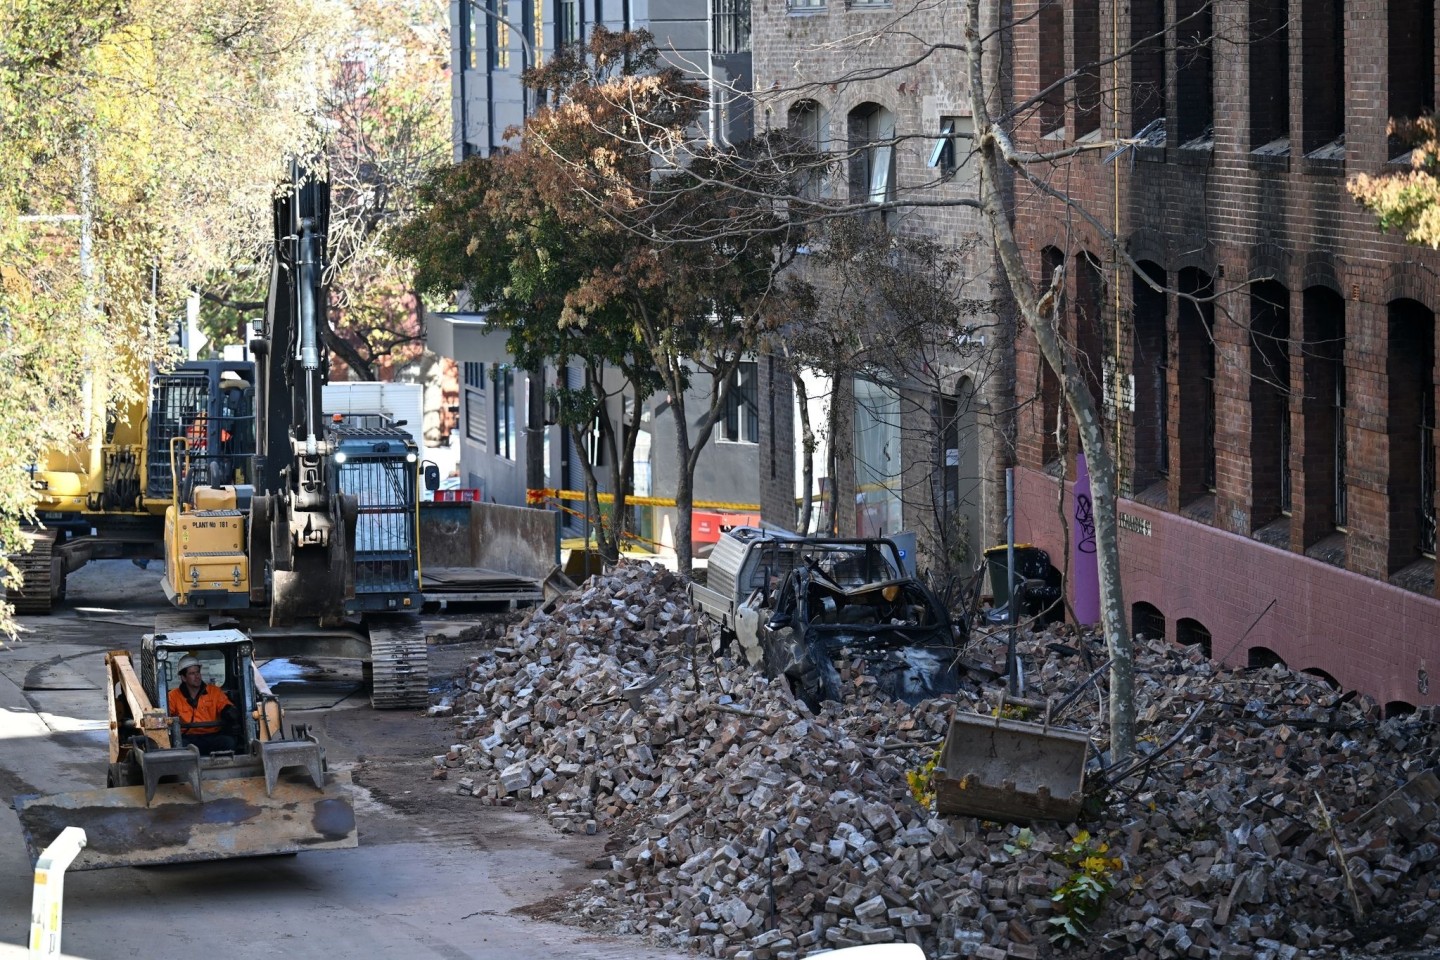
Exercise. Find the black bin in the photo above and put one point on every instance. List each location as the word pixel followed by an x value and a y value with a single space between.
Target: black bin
pixel 1042 586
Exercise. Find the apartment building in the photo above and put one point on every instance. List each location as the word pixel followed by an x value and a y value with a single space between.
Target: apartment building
pixel 919 444
pixel 1266 356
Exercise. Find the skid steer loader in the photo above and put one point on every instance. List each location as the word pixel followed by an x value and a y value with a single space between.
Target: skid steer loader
pixel 166 802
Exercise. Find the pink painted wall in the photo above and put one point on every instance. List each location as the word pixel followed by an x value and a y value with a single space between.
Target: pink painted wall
pixel 1368 635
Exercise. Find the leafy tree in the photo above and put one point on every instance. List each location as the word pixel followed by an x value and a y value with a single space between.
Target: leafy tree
pixel 140 147
pixel 1410 200
pixel 484 227
pixel 629 170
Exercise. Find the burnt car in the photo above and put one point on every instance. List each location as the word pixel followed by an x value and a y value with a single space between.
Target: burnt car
pixel 794 605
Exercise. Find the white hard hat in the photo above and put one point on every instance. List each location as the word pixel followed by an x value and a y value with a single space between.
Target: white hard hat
pixel 186 662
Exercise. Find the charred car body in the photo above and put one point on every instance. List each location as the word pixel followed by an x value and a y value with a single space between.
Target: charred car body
pixel 794 605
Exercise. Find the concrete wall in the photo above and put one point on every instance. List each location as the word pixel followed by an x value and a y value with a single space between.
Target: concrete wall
pixel 490 536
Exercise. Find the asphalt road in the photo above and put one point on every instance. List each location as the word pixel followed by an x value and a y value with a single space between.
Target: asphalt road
pixel 435 875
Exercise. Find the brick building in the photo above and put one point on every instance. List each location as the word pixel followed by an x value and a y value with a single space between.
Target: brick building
pixel 1274 405
pixel 912 449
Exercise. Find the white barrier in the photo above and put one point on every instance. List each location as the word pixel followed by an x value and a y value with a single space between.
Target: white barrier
pixel 49 901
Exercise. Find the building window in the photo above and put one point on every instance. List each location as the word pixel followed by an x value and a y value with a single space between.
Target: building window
pixel 1089 333
pixel 1085 48
pixel 1270 77
pixel 1269 402
pixel 1051 22
pixel 504 411
pixel 1151 416
pixel 470 36
pixel 1411 428
pixel 1195 370
pixel 951 153
pixel 1194 74
pixel 533 24
pixel 730 22
pixel 476 420
pixel 805 4
pixel 872 154
pixel 809 124
pixel 1323 413
pixel 499 34
pixel 567 23
pixel 877 459
pixel 1411 58
pixel 1323 52
pixel 1147 66
pixel 742 412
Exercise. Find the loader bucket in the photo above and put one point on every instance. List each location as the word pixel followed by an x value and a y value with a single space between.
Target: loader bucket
pixel 236 819
pixel 1010 770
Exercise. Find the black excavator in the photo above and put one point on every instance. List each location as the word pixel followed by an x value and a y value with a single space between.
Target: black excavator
pixel 318 556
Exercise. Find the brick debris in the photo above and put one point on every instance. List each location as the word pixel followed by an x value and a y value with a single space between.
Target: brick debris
pixel 743 825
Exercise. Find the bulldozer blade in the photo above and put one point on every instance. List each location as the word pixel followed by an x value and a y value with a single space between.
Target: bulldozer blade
pixel 236 819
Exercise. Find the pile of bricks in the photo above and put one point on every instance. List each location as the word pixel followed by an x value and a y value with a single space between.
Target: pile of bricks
pixel 741 824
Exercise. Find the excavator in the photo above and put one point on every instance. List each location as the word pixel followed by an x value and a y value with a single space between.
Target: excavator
pixel 104 496
pixel 269 515
pixel 318 555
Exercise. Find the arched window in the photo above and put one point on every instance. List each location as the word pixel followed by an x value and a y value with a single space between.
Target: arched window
pixel 1189 632
pixel 1270 440
pixel 872 154
pixel 1263 657
pixel 1151 424
pixel 1147 620
pixel 1410 366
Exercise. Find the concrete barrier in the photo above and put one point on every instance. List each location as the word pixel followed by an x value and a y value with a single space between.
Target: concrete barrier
pixel 490 536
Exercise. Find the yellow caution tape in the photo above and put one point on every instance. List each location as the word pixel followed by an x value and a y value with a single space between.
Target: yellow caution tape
pixel 535 496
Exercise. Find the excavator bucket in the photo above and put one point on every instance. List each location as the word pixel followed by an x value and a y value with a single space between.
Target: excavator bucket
pixel 236 818
pixel 1011 770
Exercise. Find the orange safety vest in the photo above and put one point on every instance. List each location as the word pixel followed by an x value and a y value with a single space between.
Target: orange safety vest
pixel 205 710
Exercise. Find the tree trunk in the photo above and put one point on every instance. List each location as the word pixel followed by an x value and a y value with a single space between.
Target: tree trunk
pixel 535 429
pixel 684 488
pixel 1042 313
pixel 807 444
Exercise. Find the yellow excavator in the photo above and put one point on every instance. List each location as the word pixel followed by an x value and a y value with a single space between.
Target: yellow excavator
pixel 263 791
pixel 316 553
pixel 301 527
pixel 104 496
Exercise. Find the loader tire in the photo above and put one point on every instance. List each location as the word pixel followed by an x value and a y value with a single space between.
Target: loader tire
pixel 123 775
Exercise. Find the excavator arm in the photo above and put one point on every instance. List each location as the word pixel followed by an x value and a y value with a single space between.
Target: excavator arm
pixel 302 528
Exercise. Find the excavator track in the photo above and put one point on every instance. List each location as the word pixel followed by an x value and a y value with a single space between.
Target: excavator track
pixel 38 568
pixel 400 664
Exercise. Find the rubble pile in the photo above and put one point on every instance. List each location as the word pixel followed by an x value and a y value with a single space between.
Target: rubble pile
pixel 1266 815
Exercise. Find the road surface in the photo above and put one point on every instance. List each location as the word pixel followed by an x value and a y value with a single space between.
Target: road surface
pixel 436 874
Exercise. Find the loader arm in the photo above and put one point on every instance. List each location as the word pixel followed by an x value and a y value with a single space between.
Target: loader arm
pixel 131 712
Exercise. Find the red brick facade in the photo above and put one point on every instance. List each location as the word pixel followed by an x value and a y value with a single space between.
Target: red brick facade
pixel 1307 318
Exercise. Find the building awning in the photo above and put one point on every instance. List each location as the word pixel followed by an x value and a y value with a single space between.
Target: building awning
pixel 466 338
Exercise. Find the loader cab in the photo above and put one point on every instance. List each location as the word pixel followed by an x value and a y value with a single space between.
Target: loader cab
pixel 225 661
